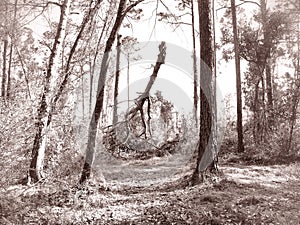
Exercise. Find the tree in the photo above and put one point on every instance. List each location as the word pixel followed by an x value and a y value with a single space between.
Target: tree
pixel 267 38
pixel 51 77
pixel 13 27
pixel 4 74
pixel 115 112
pixel 296 83
pixel 5 37
pixel 53 88
pixel 195 66
pixel 260 47
pixel 90 150
pixel 145 95
pixel 238 80
pixel 205 143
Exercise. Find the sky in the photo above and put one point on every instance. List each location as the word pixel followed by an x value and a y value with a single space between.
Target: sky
pixel 148 29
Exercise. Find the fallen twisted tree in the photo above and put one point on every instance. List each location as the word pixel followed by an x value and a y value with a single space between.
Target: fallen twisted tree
pixel 149 150
pixel 140 101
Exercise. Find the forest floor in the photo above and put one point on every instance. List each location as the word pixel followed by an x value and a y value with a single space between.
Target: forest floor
pixel 240 195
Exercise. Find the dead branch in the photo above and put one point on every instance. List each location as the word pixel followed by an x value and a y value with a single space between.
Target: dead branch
pixel 145 95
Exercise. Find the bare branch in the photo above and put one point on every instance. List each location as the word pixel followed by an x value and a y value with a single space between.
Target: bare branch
pixel 145 95
pixel 131 7
pixel 243 2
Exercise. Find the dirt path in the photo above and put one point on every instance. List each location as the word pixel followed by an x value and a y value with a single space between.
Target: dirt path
pixel 269 176
pixel 243 195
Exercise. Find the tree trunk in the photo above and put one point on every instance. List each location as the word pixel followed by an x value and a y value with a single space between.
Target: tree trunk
pixel 11 51
pixel 44 112
pixel 295 103
pixel 239 105
pixel 47 107
pixel 90 150
pixel 295 100
pixel 195 67
pixel 267 63
pixel 128 79
pixel 270 103
pixel 82 92
pixel 213 167
pixel 145 95
pixel 9 71
pixel 24 73
pixel 263 117
pixel 205 143
pixel 85 21
pixel 3 91
pixel 116 89
pixel 256 111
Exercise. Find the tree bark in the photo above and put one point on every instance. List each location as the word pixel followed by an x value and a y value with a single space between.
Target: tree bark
pixel 3 91
pixel 270 102
pixel 205 143
pixel 256 110
pixel 267 61
pixel 11 50
pixel 9 71
pixel 295 99
pixel 116 89
pixel 195 67
pixel 239 105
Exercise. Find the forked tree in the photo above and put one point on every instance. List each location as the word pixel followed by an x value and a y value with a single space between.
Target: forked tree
pixel 54 86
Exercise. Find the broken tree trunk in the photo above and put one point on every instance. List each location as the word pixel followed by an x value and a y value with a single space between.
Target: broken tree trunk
pixel 145 95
